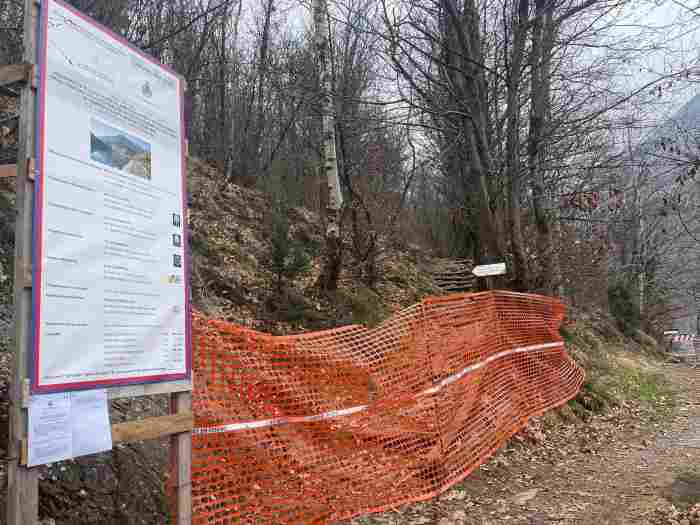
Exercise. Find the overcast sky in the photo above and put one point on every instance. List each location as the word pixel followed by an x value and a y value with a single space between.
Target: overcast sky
pixel 675 31
pixel 671 27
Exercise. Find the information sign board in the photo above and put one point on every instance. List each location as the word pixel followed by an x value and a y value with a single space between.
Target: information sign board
pixel 110 302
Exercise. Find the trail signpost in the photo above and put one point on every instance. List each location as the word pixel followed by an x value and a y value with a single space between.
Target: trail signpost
pixel 489 270
pixel 101 276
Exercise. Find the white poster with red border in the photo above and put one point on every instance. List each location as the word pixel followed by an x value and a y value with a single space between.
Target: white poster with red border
pixel 111 302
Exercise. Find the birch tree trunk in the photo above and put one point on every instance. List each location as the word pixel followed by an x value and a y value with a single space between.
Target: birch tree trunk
pixel 332 258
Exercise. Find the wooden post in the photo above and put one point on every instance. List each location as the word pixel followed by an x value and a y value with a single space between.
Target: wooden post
pixel 181 461
pixel 23 482
pixel 180 403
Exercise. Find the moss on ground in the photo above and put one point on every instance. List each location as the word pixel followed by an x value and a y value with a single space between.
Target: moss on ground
pixel 618 369
pixel 361 305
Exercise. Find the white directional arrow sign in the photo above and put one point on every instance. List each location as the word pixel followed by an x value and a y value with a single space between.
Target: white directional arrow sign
pixel 488 270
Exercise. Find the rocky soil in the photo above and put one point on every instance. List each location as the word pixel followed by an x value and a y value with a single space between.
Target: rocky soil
pixel 232 278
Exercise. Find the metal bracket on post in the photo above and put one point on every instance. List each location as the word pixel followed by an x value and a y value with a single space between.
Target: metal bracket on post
pixel 31 167
pixel 26 393
pixel 28 274
pixel 8 171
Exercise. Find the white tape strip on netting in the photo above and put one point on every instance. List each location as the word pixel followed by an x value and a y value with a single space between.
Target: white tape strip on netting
pixel 684 338
pixel 265 423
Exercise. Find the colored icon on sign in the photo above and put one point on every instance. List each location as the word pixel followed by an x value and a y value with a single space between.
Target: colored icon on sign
pixel 177 222
pixel 177 240
pixel 146 90
pixel 177 261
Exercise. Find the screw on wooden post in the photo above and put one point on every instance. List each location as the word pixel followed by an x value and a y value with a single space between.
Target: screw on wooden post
pixel 23 483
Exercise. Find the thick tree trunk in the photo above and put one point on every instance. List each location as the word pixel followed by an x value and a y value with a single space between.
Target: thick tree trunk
pixel 540 59
pixel 557 281
pixel 462 35
pixel 513 173
pixel 491 235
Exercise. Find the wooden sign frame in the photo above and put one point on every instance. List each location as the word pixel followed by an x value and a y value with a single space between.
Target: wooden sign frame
pixel 23 482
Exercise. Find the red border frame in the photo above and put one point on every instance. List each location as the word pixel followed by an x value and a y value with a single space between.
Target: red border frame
pixel 39 214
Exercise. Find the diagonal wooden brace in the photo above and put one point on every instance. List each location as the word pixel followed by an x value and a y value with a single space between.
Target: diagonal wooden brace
pixel 17 73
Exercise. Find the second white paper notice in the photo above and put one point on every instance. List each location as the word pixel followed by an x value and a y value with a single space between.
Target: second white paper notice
pixel 90 422
pixel 65 426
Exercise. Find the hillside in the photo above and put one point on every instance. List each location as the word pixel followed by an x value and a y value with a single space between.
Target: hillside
pixel 349 169
pixel 231 274
pixel 232 277
pixel 232 280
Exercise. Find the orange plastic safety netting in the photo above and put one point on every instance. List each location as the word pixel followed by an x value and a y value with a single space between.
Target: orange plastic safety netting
pixel 322 426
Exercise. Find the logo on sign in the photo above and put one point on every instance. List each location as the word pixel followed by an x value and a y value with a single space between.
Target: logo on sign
pixel 146 90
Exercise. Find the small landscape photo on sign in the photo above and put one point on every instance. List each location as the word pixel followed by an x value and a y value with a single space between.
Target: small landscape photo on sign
pixel 119 150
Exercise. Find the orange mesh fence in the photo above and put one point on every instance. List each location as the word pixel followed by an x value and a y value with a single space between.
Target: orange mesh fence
pixel 323 426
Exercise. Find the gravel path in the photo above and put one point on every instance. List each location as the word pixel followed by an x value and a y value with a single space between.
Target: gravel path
pixel 622 468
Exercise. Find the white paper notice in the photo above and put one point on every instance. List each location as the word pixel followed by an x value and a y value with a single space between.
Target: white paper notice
pixel 90 422
pixel 68 425
pixel 111 231
pixel 50 436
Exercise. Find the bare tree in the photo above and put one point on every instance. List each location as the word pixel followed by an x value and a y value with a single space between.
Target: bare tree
pixel 332 260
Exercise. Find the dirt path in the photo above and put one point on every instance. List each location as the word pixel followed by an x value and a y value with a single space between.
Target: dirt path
pixel 615 469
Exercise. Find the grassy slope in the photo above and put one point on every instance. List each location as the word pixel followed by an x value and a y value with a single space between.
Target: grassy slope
pixel 619 369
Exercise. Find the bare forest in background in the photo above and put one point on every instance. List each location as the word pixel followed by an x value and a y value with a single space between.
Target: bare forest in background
pixel 486 130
